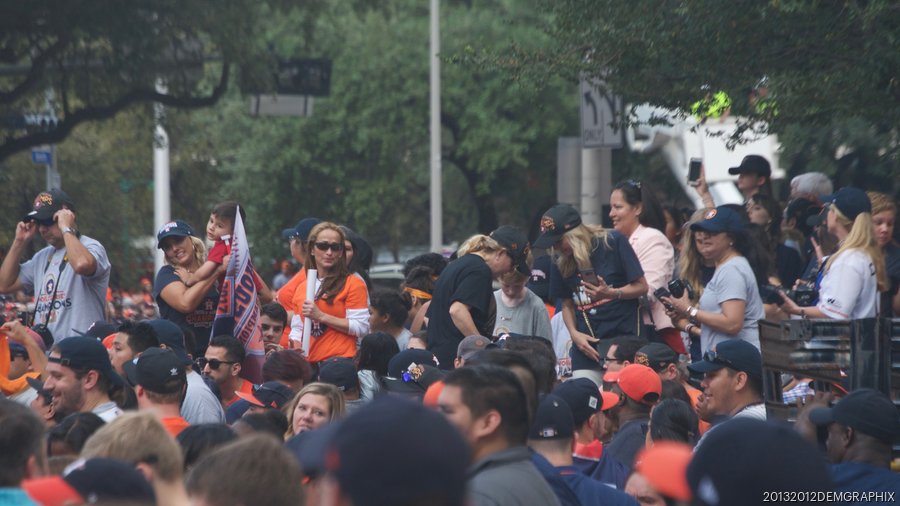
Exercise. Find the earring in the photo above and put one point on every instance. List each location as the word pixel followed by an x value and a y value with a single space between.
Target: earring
pixel 731 244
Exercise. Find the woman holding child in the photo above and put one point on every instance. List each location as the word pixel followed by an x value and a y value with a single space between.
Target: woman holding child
pixel 339 311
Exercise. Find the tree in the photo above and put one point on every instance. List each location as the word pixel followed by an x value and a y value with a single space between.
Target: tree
pixel 86 60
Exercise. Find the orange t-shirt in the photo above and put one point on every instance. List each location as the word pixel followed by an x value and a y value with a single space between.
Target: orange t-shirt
pixel 326 342
pixel 174 424
pixel 285 297
pixel 693 393
pixel 245 388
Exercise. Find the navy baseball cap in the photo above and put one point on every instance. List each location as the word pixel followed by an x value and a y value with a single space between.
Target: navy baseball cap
pixel 558 220
pixel 82 352
pixel 46 204
pixel 414 380
pixel 176 228
pixel 301 230
pixel 395 451
pixel 733 354
pixel 656 356
pixel 401 361
pixel 584 398
pixel 270 394
pixel 309 448
pixel 99 330
pixel 552 420
pixel 850 202
pixel 157 370
pixel 171 335
pixel 516 244
pixel 752 164
pixel 96 480
pixel 340 372
pixel 866 410
pixel 720 219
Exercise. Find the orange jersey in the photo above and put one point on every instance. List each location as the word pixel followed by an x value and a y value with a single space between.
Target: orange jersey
pixel 245 388
pixel 693 393
pixel 326 342
pixel 174 424
pixel 285 297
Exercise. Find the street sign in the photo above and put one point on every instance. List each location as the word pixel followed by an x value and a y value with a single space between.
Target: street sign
pixel 598 112
pixel 42 155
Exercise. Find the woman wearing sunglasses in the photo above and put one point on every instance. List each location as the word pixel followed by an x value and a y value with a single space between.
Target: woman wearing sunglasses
pixel 730 306
pixel 339 312
pixel 191 307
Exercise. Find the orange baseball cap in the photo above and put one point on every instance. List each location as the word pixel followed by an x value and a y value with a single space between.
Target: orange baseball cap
pixel 431 395
pixel 638 382
pixel 664 465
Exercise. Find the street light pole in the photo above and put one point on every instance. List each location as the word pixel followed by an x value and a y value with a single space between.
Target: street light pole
pixel 161 198
pixel 437 232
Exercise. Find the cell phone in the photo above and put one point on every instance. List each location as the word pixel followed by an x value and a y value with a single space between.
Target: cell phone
pixel 589 276
pixel 694 170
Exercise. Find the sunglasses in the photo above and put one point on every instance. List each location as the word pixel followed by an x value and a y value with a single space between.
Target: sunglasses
pixel 713 358
pixel 333 246
pixel 213 363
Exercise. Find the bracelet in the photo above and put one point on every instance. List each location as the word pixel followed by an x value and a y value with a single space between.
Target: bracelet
pixel 688 327
pixel 618 293
pixel 692 313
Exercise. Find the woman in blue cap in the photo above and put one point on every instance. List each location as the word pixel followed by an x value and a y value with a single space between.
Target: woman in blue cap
pixel 730 307
pixel 190 307
pixel 855 273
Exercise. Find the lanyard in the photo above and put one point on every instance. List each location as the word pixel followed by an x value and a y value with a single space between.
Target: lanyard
pixel 62 266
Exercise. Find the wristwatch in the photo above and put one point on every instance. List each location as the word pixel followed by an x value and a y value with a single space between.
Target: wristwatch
pixel 70 230
pixel 692 312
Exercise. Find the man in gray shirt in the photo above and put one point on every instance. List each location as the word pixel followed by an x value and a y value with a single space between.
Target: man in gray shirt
pixel 488 405
pixel 68 278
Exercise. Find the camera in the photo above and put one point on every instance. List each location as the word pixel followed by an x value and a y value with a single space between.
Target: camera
pixel 678 286
pixel 804 295
pixel 770 294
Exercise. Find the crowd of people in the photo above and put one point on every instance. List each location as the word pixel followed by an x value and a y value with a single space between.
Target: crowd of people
pixel 591 365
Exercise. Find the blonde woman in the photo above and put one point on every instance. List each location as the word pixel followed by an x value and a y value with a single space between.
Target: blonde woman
pixel 462 302
pixel 884 215
pixel 599 279
pixel 855 273
pixel 190 307
pixel 314 406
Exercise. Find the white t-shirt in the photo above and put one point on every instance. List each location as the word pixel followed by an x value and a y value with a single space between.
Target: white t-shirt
pixel 850 287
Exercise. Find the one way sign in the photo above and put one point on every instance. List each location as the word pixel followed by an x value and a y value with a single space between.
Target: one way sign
pixel 598 112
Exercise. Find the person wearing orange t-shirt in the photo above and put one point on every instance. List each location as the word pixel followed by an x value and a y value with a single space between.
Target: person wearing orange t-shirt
pixel 159 380
pixel 222 364
pixel 339 312
pixel 297 237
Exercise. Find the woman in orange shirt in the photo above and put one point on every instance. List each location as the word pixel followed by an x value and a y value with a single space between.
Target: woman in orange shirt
pixel 339 313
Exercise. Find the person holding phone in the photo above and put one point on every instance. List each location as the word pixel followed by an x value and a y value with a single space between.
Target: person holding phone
pixel 599 279
pixel 68 278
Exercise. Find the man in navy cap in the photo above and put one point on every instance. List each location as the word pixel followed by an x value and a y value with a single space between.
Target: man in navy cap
pixel 159 383
pixel 861 430
pixel 81 378
pixel 551 438
pixel 732 382
pixel 68 278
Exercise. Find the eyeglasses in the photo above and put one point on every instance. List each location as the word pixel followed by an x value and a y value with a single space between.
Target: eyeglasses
pixel 714 358
pixel 333 246
pixel 213 363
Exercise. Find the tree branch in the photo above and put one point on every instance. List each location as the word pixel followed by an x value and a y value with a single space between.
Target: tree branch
pixel 34 73
pixel 65 127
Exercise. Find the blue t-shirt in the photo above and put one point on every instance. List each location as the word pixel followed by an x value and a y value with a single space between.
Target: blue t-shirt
pixel 199 321
pixel 618 265
pixel 864 478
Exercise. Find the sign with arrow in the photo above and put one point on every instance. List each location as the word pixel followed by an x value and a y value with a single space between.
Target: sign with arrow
pixel 598 113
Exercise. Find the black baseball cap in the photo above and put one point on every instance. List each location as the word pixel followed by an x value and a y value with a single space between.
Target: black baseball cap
pixel 301 230
pixel 516 244
pixel 46 204
pixel 172 336
pixel 656 356
pixel 752 164
pixel 340 372
pixel 176 228
pixel 866 410
pixel 558 220
pixel 96 480
pixel 850 201
pixel 720 219
pixel 744 457
pixel 414 380
pixel 270 394
pixel 401 361
pixel 395 451
pixel 734 354
pixel 98 330
pixel 157 370
pixel 552 420
pixel 83 352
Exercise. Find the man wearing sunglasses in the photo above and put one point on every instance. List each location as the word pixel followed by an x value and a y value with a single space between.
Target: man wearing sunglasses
pixel 732 382
pixel 68 278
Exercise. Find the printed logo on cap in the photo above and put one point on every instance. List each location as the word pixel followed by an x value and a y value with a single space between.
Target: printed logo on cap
pixel 642 358
pixel 168 226
pixel 547 224
pixel 710 214
pixel 548 432
pixel 592 402
pixel 43 199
